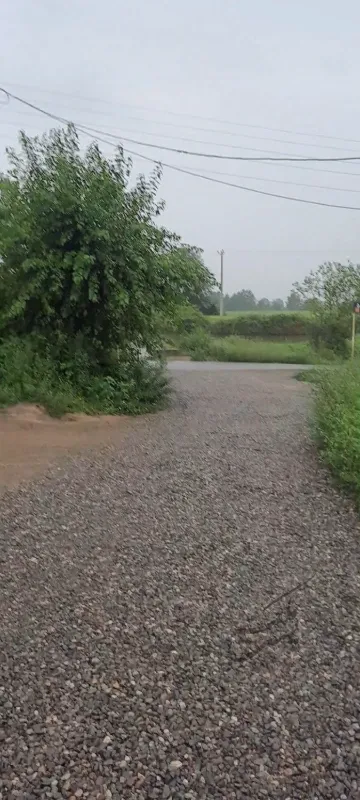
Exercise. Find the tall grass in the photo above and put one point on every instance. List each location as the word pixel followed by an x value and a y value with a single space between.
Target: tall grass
pixel 337 421
pixel 202 347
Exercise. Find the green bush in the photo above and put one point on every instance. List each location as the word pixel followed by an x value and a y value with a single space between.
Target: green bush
pixel 197 344
pixel 86 273
pixel 337 421
pixel 30 374
pixel 261 324
pixel 186 319
pixel 331 331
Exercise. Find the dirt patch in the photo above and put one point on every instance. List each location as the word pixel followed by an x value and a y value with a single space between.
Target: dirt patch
pixel 30 440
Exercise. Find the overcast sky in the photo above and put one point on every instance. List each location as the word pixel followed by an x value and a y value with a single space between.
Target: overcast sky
pixel 228 77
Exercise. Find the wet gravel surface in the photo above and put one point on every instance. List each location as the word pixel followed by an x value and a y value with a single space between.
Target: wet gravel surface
pixel 180 613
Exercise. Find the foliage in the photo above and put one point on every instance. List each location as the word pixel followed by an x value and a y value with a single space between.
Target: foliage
pixel 337 421
pixel 245 301
pixel 331 291
pixel 263 304
pixel 240 301
pixel 86 268
pixel 188 319
pixel 294 301
pixel 262 324
pixel 189 259
pixel 197 344
pixel 277 305
pixel 202 347
pixel 331 330
pixel 30 373
pixel 332 285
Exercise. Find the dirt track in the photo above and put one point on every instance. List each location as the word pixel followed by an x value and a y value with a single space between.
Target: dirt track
pixel 31 441
pixel 180 612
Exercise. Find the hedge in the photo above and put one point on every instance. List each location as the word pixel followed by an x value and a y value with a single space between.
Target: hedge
pixel 252 324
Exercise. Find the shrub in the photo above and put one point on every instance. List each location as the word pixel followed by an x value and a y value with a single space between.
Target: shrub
pixel 331 331
pixel 86 272
pixel 29 373
pixel 330 291
pixel 337 421
pixel 262 324
pixel 188 319
pixel 197 344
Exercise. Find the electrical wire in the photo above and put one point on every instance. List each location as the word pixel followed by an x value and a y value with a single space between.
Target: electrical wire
pixel 205 130
pixel 88 131
pixel 180 151
pixel 265 162
pixel 183 114
pixel 233 185
pixel 285 183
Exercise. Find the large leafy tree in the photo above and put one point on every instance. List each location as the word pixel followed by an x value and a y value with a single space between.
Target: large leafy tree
pixel 264 304
pixel 329 292
pixel 294 301
pixel 82 253
pixel 187 258
pixel 241 301
pixel 332 286
pixel 277 304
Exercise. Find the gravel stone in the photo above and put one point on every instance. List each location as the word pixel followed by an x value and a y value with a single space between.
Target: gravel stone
pixel 191 597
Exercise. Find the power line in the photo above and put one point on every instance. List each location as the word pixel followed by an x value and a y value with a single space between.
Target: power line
pixel 87 131
pixel 184 114
pixel 248 188
pixel 264 163
pixel 206 130
pixel 106 132
pixel 277 180
pixel 227 183
pixel 180 151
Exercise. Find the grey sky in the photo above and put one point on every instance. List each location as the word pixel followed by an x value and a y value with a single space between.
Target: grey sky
pixel 123 67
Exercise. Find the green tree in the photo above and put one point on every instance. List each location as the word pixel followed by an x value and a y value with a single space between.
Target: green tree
pixel 329 292
pixel 199 294
pixel 264 304
pixel 294 301
pixel 80 247
pixel 241 301
pixel 277 305
pixel 84 260
pixel 333 285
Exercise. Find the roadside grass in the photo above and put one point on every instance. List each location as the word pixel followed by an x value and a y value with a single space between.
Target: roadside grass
pixel 260 313
pixel 336 422
pixel 202 347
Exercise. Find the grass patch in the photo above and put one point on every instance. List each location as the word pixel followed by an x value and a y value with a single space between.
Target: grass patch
pixel 306 376
pixel 337 422
pixel 202 347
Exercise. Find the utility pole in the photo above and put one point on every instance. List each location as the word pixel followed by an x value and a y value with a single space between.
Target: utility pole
pixel 221 254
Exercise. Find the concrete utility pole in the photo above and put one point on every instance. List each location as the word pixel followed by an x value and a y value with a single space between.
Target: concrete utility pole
pixel 221 254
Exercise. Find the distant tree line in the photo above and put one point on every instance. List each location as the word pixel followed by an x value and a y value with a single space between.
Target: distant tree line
pixel 245 300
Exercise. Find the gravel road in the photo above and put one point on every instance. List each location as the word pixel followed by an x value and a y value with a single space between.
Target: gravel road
pixel 180 612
